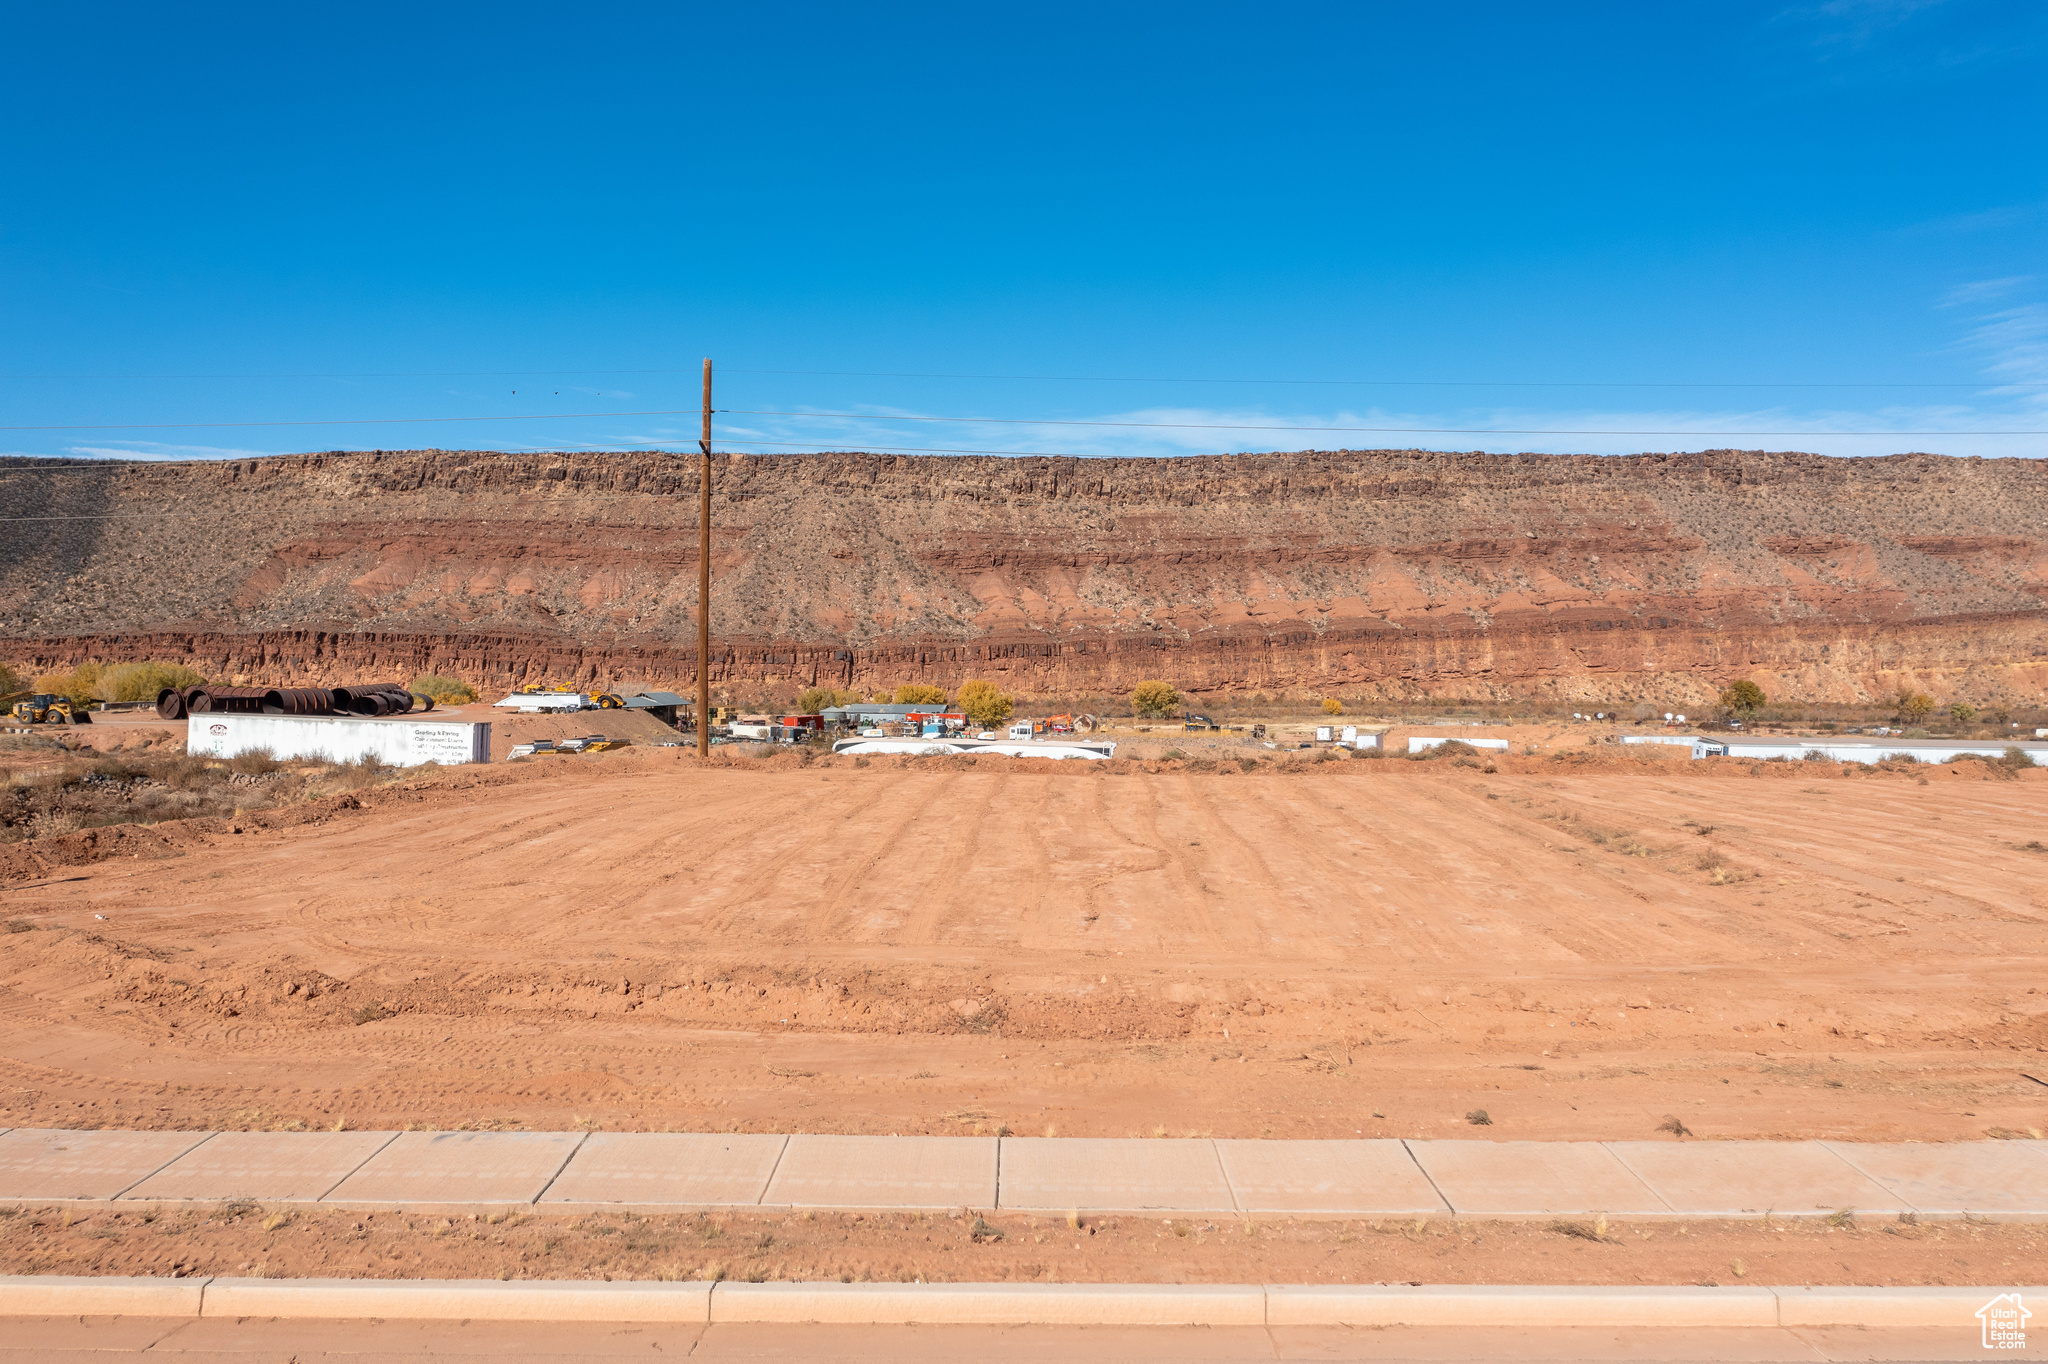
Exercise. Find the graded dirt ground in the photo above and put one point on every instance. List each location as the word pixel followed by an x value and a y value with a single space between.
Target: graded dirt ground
pixel 1596 943
pixel 248 1239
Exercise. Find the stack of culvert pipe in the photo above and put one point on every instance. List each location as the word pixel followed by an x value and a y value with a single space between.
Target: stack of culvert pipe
pixel 232 700
pixel 373 699
pixel 376 698
pixel 298 701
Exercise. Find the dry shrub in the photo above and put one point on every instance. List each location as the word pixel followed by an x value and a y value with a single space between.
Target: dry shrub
pixel 254 762
pixel 447 691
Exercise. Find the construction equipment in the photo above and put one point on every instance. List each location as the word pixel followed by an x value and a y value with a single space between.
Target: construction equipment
pixel 600 700
pixel 1191 721
pixel 44 708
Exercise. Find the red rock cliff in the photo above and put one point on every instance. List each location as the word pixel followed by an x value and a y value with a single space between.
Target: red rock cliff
pixel 1360 572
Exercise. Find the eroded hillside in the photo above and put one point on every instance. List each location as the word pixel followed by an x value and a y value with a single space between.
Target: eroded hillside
pixel 1398 572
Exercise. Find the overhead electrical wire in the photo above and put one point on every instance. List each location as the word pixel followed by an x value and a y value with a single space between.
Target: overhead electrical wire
pixel 991 421
pixel 1066 379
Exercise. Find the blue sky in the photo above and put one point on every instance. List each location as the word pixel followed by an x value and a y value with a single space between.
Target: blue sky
pixel 1516 227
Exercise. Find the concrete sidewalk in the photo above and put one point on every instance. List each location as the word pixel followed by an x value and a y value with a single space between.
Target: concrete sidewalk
pixel 574 1172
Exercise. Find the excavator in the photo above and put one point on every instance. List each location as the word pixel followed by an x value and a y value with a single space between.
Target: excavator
pixel 45 708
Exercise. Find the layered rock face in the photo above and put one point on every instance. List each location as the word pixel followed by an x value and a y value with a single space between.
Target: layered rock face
pixel 1359 573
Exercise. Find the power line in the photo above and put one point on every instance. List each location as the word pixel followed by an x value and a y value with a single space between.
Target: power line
pixel 1389 430
pixel 350 421
pixel 1395 383
pixel 1069 379
pixel 992 421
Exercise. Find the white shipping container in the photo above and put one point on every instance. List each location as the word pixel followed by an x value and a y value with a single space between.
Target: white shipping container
pixel 396 742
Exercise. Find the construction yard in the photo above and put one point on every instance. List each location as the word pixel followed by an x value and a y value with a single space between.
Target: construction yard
pixel 1605 944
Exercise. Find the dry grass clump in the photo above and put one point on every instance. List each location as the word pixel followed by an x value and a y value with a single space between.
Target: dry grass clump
pixel 52 790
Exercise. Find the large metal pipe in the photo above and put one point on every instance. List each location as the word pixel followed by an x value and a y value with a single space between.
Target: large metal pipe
pixel 236 700
pixel 298 701
pixel 170 704
pixel 357 699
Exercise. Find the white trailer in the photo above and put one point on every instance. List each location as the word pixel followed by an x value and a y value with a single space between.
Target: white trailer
pixel 1093 750
pixel 533 703
pixel 397 741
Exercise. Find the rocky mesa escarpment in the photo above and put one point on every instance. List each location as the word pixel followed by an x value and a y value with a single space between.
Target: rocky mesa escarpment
pixel 1358 572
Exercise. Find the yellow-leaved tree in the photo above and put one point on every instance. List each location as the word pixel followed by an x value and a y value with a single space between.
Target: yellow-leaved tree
pixel 983 702
pixel 1154 698
pixel 918 694
pixel 814 699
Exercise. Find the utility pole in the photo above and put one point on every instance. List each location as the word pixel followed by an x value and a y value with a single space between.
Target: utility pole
pixel 704 575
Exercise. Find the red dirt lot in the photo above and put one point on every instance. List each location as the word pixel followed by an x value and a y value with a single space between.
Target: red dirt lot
pixel 970 1247
pixel 1583 946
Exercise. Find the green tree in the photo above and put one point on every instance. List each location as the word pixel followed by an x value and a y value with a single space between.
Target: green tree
pixel 11 681
pixel 983 702
pixel 1332 706
pixel 917 694
pixel 1910 705
pixel 814 699
pixel 1962 712
pixel 1154 698
pixel 1742 698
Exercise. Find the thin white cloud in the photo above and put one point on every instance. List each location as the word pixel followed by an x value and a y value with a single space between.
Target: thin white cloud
pixel 1162 431
pixel 149 449
pixel 1982 291
pixel 2014 344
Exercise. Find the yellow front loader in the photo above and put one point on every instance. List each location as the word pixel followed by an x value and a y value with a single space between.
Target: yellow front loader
pixel 46 709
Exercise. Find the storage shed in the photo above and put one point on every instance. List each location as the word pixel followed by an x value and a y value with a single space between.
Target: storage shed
pixel 662 705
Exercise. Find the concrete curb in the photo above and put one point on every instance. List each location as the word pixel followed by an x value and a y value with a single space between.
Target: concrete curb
pixel 1000 1304
pixel 53 1295
pixel 992 1304
pixel 459 1300
pixel 1510 1305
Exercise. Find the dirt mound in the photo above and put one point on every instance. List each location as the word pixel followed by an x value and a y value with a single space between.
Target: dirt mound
pixel 1396 573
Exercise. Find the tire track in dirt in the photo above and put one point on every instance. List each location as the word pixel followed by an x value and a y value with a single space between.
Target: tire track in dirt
pixel 1432 859
pixel 1196 914
pixel 944 880
pixel 1102 819
pixel 835 901
pixel 737 912
pixel 1814 845
pixel 1032 931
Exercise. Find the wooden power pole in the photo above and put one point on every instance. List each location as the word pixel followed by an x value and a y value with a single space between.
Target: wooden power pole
pixel 704 575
